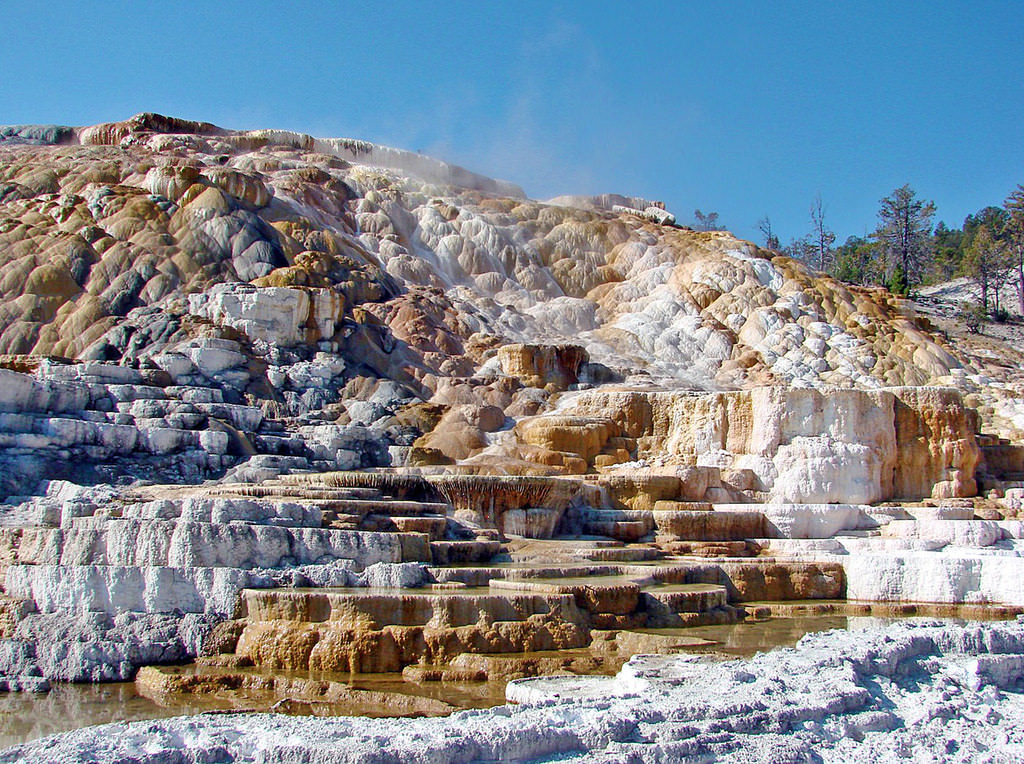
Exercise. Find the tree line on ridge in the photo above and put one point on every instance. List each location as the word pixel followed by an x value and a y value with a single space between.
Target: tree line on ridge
pixel 906 251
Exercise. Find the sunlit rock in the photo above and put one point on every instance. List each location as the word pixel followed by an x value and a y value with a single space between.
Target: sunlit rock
pixel 277 315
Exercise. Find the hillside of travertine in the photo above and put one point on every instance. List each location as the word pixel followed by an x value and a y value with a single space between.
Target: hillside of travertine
pixel 274 404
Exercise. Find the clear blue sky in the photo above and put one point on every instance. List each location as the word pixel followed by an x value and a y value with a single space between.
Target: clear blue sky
pixel 743 108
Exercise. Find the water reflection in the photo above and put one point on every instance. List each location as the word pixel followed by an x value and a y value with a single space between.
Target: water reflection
pixel 748 638
pixel 26 716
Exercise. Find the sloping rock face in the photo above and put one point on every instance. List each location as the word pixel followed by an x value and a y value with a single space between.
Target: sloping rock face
pixel 333 285
pixel 115 219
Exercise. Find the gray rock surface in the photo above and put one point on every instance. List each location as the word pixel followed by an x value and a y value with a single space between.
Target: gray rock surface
pixel 119 589
pixel 98 647
pixel 92 422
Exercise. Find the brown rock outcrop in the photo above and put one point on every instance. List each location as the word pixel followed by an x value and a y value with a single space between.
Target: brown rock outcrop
pixel 758 580
pixel 553 366
pixel 584 437
pixel 208 684
pixel 329 647
pixel 709 526
pixel 461 431
pixel 643 490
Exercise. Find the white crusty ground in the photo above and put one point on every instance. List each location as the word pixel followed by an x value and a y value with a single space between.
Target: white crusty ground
pixel 924 692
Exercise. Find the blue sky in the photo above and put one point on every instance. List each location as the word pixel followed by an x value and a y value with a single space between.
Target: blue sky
pixel 743 108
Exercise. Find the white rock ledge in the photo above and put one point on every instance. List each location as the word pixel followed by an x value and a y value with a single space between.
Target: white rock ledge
pixel 114 589
pixel 923 692
pixel 952 576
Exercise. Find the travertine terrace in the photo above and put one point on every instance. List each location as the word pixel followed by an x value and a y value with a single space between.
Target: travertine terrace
pixel 279 407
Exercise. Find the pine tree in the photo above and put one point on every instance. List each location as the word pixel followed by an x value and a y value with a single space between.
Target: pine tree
pixel 801 249
pixel 947 252
pixel 1015 235
pixel 904 233
pixel 822 239
pixel 857 261
pixel 987 264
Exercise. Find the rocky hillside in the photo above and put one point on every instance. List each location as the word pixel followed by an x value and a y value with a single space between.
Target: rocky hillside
pixel 108 229
pixel 586 424
pixel 333 283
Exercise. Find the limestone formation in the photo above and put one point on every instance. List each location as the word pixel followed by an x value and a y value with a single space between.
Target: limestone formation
pixel 799 445
pixel 107 224
pixel 282 316
pixel 277 405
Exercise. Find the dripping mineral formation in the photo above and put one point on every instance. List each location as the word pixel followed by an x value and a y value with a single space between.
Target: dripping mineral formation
pixel 273 406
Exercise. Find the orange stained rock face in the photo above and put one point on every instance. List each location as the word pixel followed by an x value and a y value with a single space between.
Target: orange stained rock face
pixel 585 437
pixel 937 452
pixel 543 365
pixel 323 647
pixel 643 491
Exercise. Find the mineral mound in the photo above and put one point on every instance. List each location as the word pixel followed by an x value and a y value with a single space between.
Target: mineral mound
pixel 302 404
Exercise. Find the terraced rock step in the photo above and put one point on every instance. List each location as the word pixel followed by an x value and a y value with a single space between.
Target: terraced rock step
pixel 689 598
pixel 373 609
pixel 674 525
pixel 196 550
pixel 961 533
pixel 463 552
pixel 622 554
pixel 341 521
pixel 344 493
pixel 503 667
pixel 292 492
pixel 435 526
pixel 569 550
pixel 676 521
pixel 612 595
pixel 967 612
pixel 393 507
pixel 330 629
pixel 483 575
pixel 627 531
pixel 383 631
pixel 608 651
pixel 401 485
pixel 176 543
pixel 673 505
